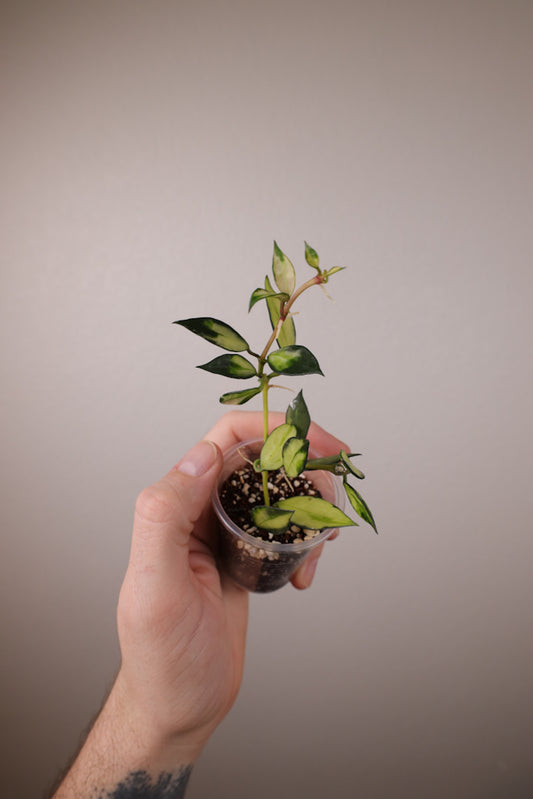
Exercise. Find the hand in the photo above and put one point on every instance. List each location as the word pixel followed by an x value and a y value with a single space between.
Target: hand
pixel 182 624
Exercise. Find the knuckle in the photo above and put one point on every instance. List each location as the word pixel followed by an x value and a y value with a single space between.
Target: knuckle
pixel 156 504
pixel 233 417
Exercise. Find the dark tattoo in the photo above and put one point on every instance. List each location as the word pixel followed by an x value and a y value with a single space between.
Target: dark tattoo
pixel 140 785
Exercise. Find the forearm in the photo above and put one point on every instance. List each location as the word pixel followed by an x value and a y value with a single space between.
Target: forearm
pixel 182 631
pixel 133 785
pixel 124 757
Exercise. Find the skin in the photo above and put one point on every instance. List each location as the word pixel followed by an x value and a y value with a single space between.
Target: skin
pixel 182 632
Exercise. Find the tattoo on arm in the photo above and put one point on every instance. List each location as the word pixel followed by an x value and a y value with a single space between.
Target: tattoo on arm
pixel 140 785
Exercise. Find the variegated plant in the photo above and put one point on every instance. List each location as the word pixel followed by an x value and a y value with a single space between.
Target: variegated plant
pixel 286 447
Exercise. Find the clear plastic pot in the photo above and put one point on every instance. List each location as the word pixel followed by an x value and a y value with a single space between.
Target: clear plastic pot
pixel 254 564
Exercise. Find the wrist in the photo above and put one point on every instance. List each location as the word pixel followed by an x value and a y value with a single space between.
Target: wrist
pixel 151 739
pixel 126 750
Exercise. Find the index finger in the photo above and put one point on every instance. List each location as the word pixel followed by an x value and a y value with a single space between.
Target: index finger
pixel 237 426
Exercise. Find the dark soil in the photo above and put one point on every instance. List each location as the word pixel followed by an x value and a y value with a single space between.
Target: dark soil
pixel 243 490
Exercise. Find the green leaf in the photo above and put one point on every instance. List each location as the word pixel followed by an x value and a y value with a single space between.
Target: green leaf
pixel 334 464
pixel 272 451
pixel 315 513
pixel 216 332
pixel 311 256
pixel 345 458
pixel 332 271
pixel 298 415
pixel 327 463
pixel 287 334
pixel 283 271
pixel 263 294
pixel 230 366
pixel 359 505
pixel 295 456
pixel 239 397
pixel 294 360
pixel 274 520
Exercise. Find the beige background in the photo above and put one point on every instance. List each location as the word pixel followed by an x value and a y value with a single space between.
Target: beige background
pixel 151 151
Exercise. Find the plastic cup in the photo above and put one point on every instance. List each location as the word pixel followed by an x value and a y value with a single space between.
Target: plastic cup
pixel 254 564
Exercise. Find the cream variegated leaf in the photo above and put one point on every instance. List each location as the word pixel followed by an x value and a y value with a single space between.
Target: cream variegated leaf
pixel 283 271
pixel 315 513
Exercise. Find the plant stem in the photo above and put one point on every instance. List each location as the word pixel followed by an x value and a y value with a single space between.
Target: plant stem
pixel 284 312
pixel 265 435
pixel 314 281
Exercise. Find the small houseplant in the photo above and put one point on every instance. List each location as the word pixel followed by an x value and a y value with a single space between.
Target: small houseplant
pixel 276 498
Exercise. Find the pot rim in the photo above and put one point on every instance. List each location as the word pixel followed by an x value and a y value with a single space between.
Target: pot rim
pixel 259 543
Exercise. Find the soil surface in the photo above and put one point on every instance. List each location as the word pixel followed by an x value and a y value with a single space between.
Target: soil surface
pixel 243 490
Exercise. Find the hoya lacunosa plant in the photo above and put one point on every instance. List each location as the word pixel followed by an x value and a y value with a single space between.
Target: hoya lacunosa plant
pixel 286 447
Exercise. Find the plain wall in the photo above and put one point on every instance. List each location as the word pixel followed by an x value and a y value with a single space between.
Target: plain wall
pixel 151 152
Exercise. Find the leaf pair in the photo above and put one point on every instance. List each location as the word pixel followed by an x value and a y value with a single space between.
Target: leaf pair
pixel 289 360
pixel 283 269
pixel 312 513
pixel 283 448
pixel 311 256
pixel 287 444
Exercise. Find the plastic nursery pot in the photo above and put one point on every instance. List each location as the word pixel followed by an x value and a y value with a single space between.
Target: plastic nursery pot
pixel 254 564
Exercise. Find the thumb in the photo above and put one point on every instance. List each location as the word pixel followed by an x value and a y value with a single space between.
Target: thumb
pixel 166 512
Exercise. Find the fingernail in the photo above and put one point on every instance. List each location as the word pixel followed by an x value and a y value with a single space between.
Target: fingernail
pixel 309 569
pixel 198 460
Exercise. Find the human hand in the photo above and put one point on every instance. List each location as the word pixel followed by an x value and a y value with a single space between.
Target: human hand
pixel 182 624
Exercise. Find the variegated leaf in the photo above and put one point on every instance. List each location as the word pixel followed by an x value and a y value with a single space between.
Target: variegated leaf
pixel 359 505
pixel 272 451
pixel 263 294
pixel 216 332
pixel 298 415
pixel 283 271
pixel 272 519
pixel 239 397
pixel 311 256
pixel 345 458
pixel 294 360
pixel 334 270
pixel 230 366
pixel 315 513
pixel 295 456
pixel 287 334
